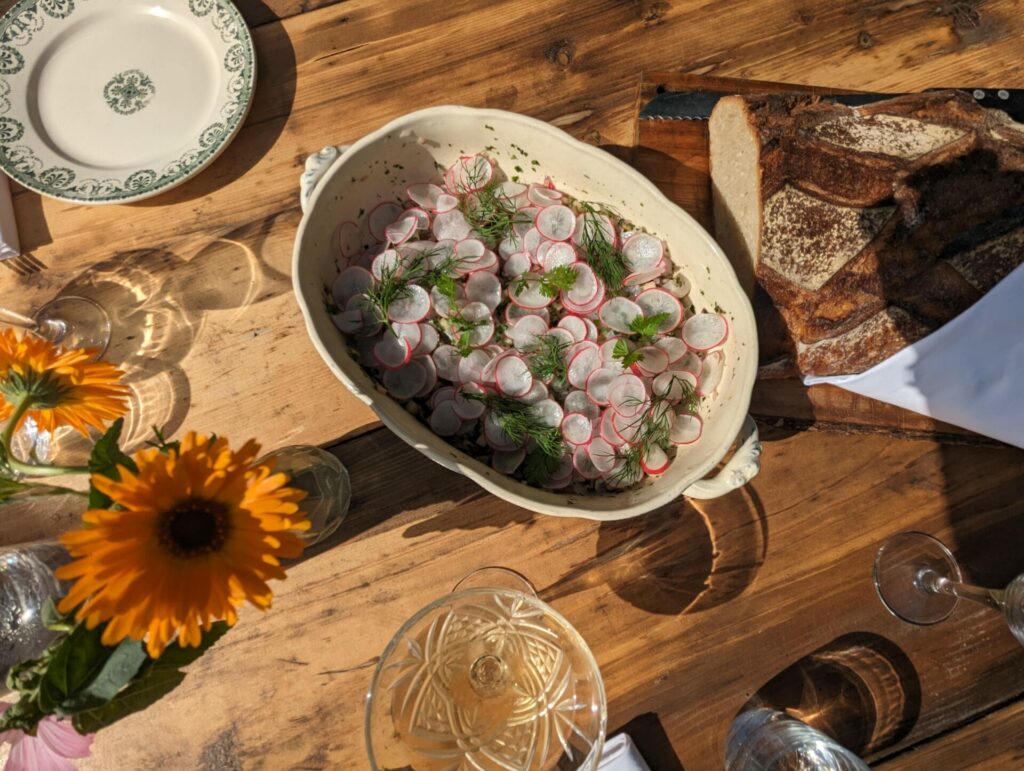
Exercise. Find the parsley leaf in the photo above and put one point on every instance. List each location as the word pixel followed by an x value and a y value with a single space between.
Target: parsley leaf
pixel 621 352
pixel 646 327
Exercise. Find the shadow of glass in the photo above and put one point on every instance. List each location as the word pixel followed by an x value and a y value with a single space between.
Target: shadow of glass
pixel 651 739
pixel 272 103
pixel 861 689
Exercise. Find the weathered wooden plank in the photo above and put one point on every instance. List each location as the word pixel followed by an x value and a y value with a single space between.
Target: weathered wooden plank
pixel 689 610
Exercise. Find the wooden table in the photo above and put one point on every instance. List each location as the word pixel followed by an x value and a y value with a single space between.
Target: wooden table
pixel 691 610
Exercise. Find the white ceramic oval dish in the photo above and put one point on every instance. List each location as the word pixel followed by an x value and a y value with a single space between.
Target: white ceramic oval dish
pixel 343 183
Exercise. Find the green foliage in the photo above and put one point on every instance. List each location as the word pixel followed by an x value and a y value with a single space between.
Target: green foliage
pixel 105 458
pixel 608 262
pixel 491 214
pixel 546 361
pixel 539 466
pixel 646 327
pixel 653 428
pixel 621 352
pixel 560 279
pixel 162 444
pixel 520 422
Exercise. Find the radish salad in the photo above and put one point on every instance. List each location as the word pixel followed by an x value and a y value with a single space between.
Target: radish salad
pixel 539 333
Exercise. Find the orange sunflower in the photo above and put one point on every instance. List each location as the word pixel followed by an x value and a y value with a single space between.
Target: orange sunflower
pixel 199 531
pixel 65 387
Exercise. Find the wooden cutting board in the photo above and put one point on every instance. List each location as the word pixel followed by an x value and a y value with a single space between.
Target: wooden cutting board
pixel 674 155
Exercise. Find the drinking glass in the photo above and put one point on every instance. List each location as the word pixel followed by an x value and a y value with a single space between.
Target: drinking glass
pixel 73 322
pixel 765 739
pixel 26 582
pixel 326 484
pixel 488 677
pixel 919 580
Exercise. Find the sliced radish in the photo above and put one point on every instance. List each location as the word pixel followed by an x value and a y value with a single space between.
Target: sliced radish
pixel 583 464
pixel 561 476
pixel 442 394
pixel 673 347
pixel 400 231
pixel 487 373
pixel 513 377
pixel 711 373
pixel 431 382
pixel 643 252
pixel 627 395
pixel 558 253
pixel 525 292
pixel 594 227
pixel 653 361
pixel 627 428
pixel 556 222
pixel 510 191
pixel 548 412
pixel 691 362
pixel 471 367
pixel 380 216
pixel 510 245
pixel 591 308
pixel 484 288
pixel 542 196
pixel 349 239
pixel 450 224
pixel 606 428
pixel 428 340
pixel 575 326
pixel 411 306
pixel 671 386
pixel 620 476
pixel 388 261
pixel 422 218
pixel 350 282
pixel 655 461
pixel 599 383
pixel 585 289
pixel 516 265
pixel 480 315
pixel 391 352
pixel 686 429
pixel 531 241
pixel 583 362
pixel 578 401
pixel 678 284
pixel 618 313
pixel 468 409
pixel 608 353
pixel 507 461
pixel 562 336
pixel 576 428
pixel 441 302
pixel 591 330
pixel 602 454
pixel 349 322
pixel 371 324
pixel 411 333
pixel 538 392
pixel 638 279
pixel 513 313
pixel 470 173
pixel 495 435
pixel 424 194
pixel 446 359
pixel 469 249
pixel 526 331
pixel 656 301
pixel 444 421
pixel 446 203
pixel 705 331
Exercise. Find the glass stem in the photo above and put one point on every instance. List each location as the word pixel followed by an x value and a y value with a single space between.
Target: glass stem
pixel 930 581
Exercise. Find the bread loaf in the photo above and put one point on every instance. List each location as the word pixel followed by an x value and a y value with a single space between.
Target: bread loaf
pixel 867 228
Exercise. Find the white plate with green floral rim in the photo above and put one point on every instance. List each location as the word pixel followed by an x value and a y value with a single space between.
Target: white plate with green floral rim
pixel 110 101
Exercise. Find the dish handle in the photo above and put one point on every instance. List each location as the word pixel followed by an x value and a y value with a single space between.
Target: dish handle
pixel 741 468
pixel 316 166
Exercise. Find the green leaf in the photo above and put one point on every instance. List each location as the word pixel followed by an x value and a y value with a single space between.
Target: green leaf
pixel 156 679
pixel 105 458
pixel 647 326
pixel 621 352
pixel 75 662
pixel 11 491
pixel 539 466
pixel 120 667
pixel 9 488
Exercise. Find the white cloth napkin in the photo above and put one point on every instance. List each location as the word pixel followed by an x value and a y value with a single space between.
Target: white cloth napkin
pixel 620 754
pixel 969 372
pixel 9 244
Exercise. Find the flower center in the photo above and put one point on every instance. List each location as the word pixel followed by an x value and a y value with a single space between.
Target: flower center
pixel 194 527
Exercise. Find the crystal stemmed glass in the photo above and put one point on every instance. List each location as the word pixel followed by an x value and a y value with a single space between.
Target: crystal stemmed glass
pixel 488 677
pixel 763 739
pixel 324 480
pixel 73 322
pixel 919 580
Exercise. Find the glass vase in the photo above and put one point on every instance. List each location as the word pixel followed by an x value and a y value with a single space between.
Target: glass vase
pixel 324 480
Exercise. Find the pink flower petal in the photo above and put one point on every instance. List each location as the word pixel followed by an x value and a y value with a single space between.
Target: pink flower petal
pixel 61 737
pixel 32 754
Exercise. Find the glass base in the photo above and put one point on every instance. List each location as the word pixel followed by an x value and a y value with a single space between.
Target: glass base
pixel 74 322
pixel 901 566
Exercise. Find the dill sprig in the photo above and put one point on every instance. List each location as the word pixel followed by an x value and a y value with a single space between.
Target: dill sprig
pixel 652 429
pixel 608 262
pixel 538 466
pixel 396 278
pixel 546 361
pixel 520 422
pixel 393 285
pixel 562 278
pixel 491 214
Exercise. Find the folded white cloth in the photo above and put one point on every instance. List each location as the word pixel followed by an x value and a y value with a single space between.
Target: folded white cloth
pixel 969 372
pixel 9 244
pixel 620 754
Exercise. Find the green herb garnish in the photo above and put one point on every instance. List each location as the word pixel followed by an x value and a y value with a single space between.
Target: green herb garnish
pixel 546 361
pixel 562 278
pixel 608 262
pixel 646 327
pixel 520 422
pixel 539 466
pixel 621 352
pixel 396 278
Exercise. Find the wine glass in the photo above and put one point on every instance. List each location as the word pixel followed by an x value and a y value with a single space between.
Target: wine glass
pixel 919 580
pixel 73 322
pixel 763 739
pixel 488 677
pixel 326 484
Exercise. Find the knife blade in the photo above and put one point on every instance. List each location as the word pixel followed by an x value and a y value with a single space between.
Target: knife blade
pixel 697 105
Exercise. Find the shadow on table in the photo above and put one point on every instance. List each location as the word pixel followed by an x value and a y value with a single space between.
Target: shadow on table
pixel 682 558
pixel 271 106
pixel 651 739
pixel 158 302
pixel 861 689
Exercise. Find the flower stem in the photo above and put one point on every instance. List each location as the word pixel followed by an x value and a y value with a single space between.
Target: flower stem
pixel 27 468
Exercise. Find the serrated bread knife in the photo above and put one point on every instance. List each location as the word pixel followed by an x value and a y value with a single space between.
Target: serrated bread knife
pixel 697 105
